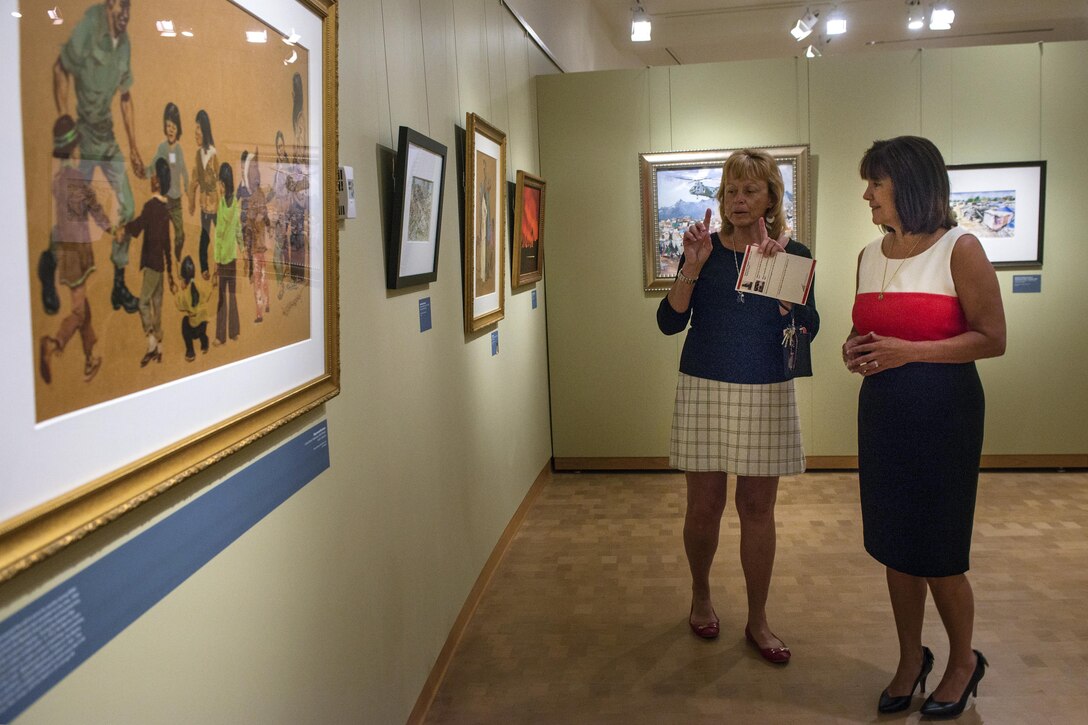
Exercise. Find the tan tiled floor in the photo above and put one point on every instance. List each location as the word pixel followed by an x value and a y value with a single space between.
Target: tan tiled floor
pixel 585 619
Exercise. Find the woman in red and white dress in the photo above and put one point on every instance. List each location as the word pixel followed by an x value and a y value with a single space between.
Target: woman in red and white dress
pixel 928 305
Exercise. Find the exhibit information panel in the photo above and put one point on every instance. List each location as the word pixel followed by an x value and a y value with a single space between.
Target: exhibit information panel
pixel 50 637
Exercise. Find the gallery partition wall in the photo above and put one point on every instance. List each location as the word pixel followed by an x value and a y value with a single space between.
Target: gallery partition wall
pixel 613 374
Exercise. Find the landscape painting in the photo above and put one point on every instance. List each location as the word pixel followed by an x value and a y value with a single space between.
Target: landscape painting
pixel 1002 204
pixel 676 194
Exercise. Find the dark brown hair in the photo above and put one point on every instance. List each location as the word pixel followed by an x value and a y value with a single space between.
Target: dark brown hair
pixel 919 181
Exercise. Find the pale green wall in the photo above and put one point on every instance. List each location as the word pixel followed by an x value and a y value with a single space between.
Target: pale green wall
pixel 334 608
pixel 613 373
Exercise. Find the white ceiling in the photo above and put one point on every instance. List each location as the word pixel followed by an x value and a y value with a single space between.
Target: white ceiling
pixel 705 31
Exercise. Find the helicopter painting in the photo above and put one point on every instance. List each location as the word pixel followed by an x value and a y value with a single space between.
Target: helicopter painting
pixel 684 195
pixel 701 189
pixel 679 187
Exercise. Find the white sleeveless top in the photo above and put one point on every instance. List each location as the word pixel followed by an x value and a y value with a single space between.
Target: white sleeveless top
pixel 919 300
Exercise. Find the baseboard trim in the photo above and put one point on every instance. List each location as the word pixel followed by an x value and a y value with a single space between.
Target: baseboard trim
pixel 816 463
pixel 605 463
pixel 1070 460
pixel 438 672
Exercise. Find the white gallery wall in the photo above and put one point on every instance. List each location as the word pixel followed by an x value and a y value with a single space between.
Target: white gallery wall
pixel 334 607
pixel 613 374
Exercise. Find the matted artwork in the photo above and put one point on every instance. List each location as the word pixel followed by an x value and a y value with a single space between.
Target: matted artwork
pixel 412 246
pixel 1002 205
pixel 528 251
pixel 677 188
pixel 173 291
pixel 485 192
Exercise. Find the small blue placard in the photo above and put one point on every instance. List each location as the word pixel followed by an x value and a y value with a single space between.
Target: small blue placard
pixel 495 342
pixel 425 314
pixel 1027 283
pixel 534 298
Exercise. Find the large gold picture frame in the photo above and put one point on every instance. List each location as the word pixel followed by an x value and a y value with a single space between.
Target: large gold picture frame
pixel 112 400
pixel 485 209
pixel 679 186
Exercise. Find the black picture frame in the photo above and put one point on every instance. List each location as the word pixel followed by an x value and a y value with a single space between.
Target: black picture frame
pixel 416 224
pixel 1003 205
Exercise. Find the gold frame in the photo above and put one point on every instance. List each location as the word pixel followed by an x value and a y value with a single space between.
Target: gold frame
pixel 796 157
pixel 519 278
pixel 476 125
pixel 36 534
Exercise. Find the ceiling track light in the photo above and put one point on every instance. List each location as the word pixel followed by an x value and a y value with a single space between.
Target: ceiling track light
pixel 805 25
pixel 640 24
pixel 941 17
pixel 916 15
pixel 812 52
pixel 836 22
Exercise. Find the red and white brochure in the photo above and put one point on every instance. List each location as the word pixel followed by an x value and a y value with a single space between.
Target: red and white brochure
pixel 784 276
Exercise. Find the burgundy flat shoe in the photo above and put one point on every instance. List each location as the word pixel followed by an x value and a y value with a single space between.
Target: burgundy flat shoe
pixel 710 630
pixel 774 655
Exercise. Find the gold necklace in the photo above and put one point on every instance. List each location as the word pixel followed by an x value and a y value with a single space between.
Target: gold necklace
pixel 736 264
pixel 884 285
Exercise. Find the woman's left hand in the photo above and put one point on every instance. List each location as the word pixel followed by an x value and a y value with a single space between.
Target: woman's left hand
pixel 870 354
pixel 769 247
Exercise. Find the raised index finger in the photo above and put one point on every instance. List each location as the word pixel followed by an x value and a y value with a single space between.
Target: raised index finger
pixel 706 220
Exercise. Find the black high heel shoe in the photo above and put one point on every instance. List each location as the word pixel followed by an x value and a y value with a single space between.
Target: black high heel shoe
pixel 947 710
pixel 895 704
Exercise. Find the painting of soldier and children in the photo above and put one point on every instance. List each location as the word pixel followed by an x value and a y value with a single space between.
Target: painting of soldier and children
pixel 168 186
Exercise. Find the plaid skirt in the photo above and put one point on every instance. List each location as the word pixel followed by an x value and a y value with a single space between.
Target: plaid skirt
pixel 746 430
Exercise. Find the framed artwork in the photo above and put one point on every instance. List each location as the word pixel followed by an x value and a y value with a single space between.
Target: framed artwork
pixel 171 294
pixel 678 187
pixel 412 253
pixel 485 191
pixel 1002 205
pixel 528 251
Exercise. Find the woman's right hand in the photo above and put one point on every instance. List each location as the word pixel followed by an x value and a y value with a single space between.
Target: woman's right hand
pixel 697 245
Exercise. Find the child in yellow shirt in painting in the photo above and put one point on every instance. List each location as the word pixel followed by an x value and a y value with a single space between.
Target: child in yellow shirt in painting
pixel 193 302
pixel 228 242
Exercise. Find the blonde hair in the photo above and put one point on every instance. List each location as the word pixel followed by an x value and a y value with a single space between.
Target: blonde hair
pixel 755 165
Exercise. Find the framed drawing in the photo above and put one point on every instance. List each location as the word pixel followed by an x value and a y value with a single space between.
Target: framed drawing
pixel 485 191
pixel 412 248
pixel 153 331
pixel 677 188
pixel 1002 205
pixel 528 252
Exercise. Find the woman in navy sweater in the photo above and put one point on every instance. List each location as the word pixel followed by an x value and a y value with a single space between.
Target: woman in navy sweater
pixel 735 410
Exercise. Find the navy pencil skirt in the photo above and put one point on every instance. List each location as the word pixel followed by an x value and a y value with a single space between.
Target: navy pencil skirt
pixel 919 442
